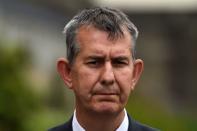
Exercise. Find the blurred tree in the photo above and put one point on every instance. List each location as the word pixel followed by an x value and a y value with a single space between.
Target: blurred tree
pixel 17 101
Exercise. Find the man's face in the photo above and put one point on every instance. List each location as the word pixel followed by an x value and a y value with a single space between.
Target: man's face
pixel 103 73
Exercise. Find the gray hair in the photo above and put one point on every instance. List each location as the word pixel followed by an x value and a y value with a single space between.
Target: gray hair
pixel 106 19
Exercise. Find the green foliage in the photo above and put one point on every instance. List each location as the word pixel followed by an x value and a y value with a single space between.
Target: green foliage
pixel 16 98
pixel 156 115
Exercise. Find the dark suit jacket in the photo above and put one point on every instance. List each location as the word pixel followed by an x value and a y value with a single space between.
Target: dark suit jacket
pixel 133 126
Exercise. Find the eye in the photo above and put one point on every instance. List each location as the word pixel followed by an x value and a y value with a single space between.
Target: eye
pixel 120 63
pixel 93 63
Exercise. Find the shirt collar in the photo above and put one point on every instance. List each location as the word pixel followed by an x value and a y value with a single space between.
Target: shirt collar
pixel 123 126
pixel 75 124
pixel 125 123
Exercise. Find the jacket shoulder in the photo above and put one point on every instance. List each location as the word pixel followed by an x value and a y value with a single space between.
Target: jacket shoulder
pixel 142 127
pixel 63 127
pixel 136 126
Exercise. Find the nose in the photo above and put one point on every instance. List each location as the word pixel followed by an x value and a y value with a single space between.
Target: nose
pixel 107 75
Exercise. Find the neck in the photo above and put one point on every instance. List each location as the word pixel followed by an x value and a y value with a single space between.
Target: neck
pixel 99 121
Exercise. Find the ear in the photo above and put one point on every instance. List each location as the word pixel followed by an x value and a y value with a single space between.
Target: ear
pixel 137 71
pixel 64 71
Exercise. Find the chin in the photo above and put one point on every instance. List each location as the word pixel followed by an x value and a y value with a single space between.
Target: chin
pixel 107 108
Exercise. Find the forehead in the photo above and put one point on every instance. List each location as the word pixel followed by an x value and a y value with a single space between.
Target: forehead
pixel 111 35
pixel 97 41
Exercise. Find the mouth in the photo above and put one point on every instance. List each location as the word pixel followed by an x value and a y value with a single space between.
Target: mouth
pixel 110 97
pixel 105 93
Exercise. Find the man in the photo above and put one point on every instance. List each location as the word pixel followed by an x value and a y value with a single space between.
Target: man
pixel 101 70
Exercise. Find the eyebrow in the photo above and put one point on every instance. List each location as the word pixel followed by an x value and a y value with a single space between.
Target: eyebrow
pixel 99 57
pixel 121 57
pixel 96 57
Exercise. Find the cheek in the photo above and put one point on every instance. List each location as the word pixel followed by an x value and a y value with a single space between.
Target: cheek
pixel 84 81
pixel 124 80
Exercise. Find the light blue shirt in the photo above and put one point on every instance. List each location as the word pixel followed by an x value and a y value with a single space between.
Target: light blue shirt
pixel 123 126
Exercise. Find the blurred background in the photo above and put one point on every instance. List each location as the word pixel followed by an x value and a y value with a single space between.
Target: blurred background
pixel 32 95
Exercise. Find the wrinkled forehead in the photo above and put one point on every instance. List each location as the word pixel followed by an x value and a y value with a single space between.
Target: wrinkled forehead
pixel 90 31
pixel 97 40
pixel 111 34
